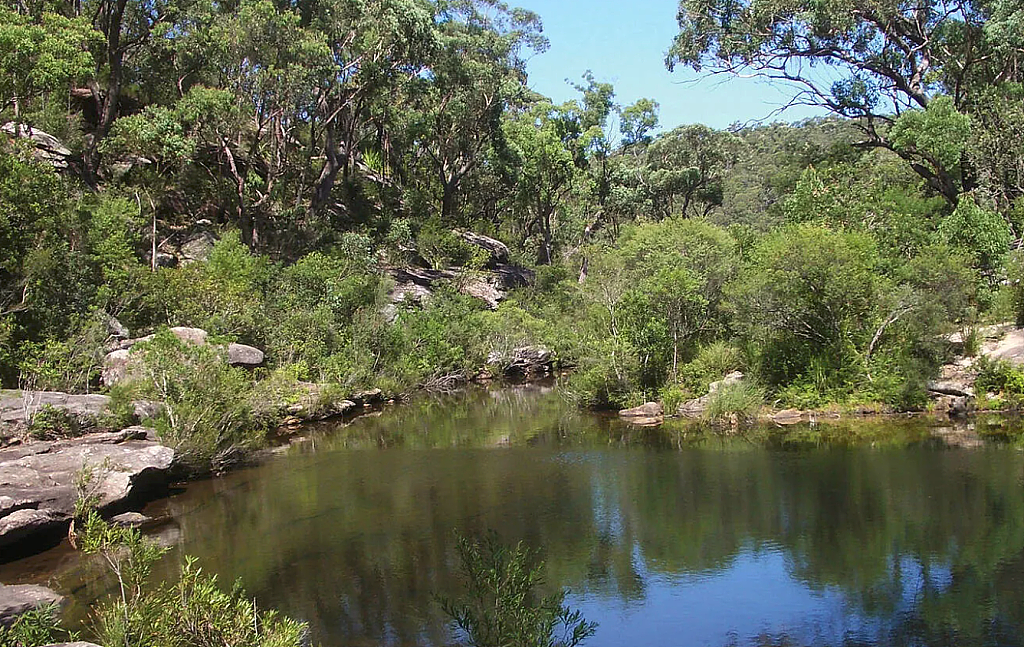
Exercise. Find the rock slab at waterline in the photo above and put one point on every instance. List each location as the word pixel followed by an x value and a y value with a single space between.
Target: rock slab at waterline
pixel 37 479
pixel 21 598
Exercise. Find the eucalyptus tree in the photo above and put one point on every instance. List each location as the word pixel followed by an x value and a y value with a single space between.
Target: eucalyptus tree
pixel 684 170
pixel 476 74
pixel 41 52
pixel 869 59
pixel 377 47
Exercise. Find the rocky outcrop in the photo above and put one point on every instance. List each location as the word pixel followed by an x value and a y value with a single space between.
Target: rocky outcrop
pixel 523 361
pixel 498 251
pixel 47 148
pixel 40 481
pixel 16 599
pixel 19 407
pixel 415 285
pixel 117 365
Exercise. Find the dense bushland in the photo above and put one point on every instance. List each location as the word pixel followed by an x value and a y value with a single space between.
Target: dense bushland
pixel 322 143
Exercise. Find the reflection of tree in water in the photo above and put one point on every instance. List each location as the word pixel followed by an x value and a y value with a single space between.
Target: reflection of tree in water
pixel 924 544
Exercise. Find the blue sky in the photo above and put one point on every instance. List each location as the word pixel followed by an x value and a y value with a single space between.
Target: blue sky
pixel 624 42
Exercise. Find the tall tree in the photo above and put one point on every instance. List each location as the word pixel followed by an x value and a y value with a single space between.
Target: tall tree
pixel 870 59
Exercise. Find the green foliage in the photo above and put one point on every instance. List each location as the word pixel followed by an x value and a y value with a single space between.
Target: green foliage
pixel 51 422
pixel 1000 377
pixel 978 231
pixel 713 362
pixel 501 606
pixel 808 298
pixel 42 53
pixel 36 627
pixel 208 408
pixel 938 131
pixel 192 611
pixel 739 402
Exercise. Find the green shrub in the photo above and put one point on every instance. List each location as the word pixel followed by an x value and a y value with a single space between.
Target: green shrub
pixel 713 362
pixel 50 422
pixel 1001 378
pixel 208 406
pixel 37 627
pixel 501 606
pixel 190 612
pixel 740 399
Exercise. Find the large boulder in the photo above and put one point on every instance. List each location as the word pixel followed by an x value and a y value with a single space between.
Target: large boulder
pixel 242 355
pixel 16 599
pixel 416 284
pixel 196 247
pixel 647 414
pixel 40 481
pixel 732 378
pixel 498 251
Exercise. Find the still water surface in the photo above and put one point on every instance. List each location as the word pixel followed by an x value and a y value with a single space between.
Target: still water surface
pixel 876 534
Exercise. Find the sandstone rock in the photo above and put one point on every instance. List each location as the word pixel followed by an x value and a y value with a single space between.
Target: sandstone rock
pixel 646 410
pixel 524 360
pixel 146 409
pixel 732 378
pixel 48 148
pixel 130 519
pixel 499 252
pixel 951 387
pixel 37 480
pixel 196 336
pixel 115 367
pixel 242 355
pixel 369 396
pixel 115 328
pixel 694 408
pixel 413 285
pixel 196 247
pixel 20 406
pixel 16 599
pixel 789 417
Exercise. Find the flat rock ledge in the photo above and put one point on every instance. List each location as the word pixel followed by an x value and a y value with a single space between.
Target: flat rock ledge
pixel 18 407
pixel 16 599
pixel 38 482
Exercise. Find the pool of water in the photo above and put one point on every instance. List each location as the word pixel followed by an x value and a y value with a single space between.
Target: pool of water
pixel 862 534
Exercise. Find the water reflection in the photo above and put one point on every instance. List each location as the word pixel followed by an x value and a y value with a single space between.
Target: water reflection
pixel 870 534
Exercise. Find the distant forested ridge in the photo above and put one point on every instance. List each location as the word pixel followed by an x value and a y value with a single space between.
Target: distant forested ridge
pixel 369 191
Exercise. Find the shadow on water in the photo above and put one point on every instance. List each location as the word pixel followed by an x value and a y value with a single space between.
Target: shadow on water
pixel 865 533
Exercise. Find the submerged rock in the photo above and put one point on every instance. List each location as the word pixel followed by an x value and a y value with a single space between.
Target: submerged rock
pixel 16 599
